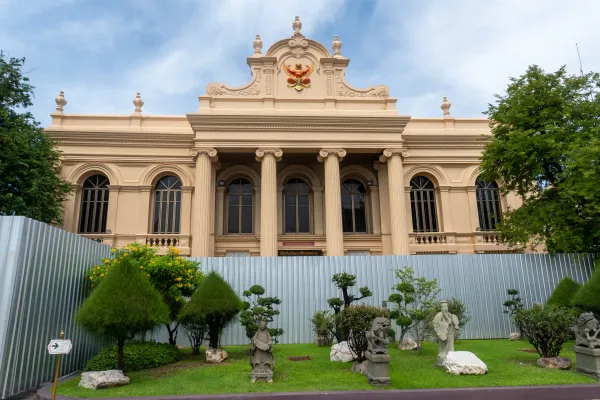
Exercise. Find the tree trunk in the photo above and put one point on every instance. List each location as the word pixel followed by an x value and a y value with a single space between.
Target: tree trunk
pixel 120 351
pixel 172 333
pixel 213 336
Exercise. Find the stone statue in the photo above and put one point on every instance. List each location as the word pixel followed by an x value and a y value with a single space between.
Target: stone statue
pixel 446 328
pixel 378 337
pixel 587 331
pixel 261 354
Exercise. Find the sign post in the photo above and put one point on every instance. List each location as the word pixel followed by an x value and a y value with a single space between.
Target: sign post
pixel 60 347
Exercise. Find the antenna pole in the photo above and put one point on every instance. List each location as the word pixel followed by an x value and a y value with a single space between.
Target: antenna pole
pixel 579 56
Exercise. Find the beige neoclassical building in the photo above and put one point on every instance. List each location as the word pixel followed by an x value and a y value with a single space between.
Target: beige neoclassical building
pixel 295 162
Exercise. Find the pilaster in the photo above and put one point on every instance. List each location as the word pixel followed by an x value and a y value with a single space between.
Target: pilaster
pixel 397 199
pixel 268 201
pixel 384 207
pixel 201 230
pixel 113 205
pixel 333 200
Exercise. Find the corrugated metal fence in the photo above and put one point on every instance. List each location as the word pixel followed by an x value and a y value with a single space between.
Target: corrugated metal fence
pixel 41 275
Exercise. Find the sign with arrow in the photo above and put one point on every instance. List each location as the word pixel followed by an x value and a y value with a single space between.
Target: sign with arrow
pixel 60 346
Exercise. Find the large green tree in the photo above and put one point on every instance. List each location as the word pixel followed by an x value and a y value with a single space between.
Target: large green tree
pixel 29 181
pixel 545 147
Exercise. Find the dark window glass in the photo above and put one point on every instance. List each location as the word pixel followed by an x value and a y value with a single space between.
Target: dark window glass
pixel 296 207
pixel 422 204
pixel 94 205
pixel 240 198
pixel 354 217
pixel 488 204
pixel 167 206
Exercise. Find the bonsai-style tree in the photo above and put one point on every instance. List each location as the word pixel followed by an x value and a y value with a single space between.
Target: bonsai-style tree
pixel 563 293
pixel 513 305
pixel 216 303
pixel 344 281
pixel 587 297
pixel 259 308
pixel 125 303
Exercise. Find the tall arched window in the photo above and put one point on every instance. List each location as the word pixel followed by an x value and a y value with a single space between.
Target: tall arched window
pixel 296 203
pixel 488 204
pixel 167 205
pixel 422 204
pixel 354 218
pixel 94 205
pixel 239 213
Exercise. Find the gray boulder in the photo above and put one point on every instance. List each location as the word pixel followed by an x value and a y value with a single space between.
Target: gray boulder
pixel 463 363
pixel 408 344
pixel 103 379
pixel 554 362
pixel 514 336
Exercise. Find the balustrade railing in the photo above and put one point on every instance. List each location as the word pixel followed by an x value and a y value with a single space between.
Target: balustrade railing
pixel 428 238
pixel 163 241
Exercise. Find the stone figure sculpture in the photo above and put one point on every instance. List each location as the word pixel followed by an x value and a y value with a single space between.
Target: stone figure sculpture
pixel 261 355
pixel 587 331
pixel 446 328
pixel 378 337
pixel 377 356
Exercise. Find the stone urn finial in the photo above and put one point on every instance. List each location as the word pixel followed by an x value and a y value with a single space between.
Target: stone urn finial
pixel 297 25
pixel 60 101
pixel 138 103
pixel 257 46
pixel 336 46
pixel 446 106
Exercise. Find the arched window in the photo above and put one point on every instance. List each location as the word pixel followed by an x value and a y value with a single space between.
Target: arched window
pixel 94 205
pixel 167 205
pixel 354 218
pixel 488 204
pixel 422 204
pixel 239 200
pixel 296 203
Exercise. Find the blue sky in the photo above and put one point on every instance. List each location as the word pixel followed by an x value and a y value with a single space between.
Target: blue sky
pixel 102 52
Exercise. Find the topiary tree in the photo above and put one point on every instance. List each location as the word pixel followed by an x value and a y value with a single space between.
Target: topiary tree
pixel 587 297
pixel 513 305
pixel 357 320
pixel 258 308
pixel 546 328
pixel 125 303
pixel 344 281
pixel 215 302
pixel 563 293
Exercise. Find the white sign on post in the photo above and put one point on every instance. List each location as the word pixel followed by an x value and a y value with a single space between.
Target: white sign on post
pixel 60 346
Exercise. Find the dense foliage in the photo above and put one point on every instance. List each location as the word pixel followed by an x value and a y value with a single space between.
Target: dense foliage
pixel 345 281
pixel 257 308
pixel 545 145
pixel 173 276
pixel 564 292
pixel 216 303
pixel 137 356
pixel 414 301
pixel 125 303
pixel 356 321
pixel 456 307
pixel 322 324
pixel 30 184
pixel 546 328
pixel 587 297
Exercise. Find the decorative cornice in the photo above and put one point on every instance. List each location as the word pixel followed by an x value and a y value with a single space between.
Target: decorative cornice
pixel 117 143
pixel 324 153
pixel 260 153
pixel 445 145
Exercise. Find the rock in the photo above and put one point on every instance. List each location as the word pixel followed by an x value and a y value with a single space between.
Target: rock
pixel 341 352
pixel 408 344
pixel 554 362
pixel 361 368
pixel 103 379
pixel 180 347
pixel 514 336
pixel 464 363
pixel 214 356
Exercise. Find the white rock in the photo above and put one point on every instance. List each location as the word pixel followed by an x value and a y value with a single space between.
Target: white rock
pixel 464 363
pixel 514 336
pixel 341 352
pixel 214 356
pixel 103 379
pixel 408 344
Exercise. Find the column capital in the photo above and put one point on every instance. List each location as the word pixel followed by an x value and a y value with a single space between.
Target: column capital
pixel 205 152
pixel 389 153
pixel 324 153
pixel 260 153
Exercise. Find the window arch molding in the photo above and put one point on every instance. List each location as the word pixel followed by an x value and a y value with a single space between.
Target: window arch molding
pixel 80 173
pixel 154 173
pixel 436 175
pixel 359 173
pixel 301 172
pixel 315 187
pixel 228 175
pixel 239 171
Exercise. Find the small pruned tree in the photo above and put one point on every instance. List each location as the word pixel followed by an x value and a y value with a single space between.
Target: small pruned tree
pixel 216 303
pixel 357 320
pixel 125 303
pixel 513 305
pixel 587 297
pixel 195 329
pixel 257 308
pixel 563 293
pixel 546 328
pixel 345 281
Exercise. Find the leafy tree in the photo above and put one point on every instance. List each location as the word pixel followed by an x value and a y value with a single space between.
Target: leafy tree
pixel 456 307
pixel 173 276
pixel 357 320
pixel 587 297
pixel 546 328
pixel 259 308
pixel 414 302
pixel 344 281
pixel 216 303
pixel 125 303
pixel 563 293
pixel 544 147
pixel 513 305
pixel 30 184
pixel 195 329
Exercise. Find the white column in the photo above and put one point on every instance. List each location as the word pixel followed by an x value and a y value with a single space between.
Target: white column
pixel 268 200
pixel 397 199
pixel 201 243
pixel 333 200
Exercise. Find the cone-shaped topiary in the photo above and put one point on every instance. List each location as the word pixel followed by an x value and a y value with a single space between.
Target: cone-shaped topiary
pixel 563 293
pixel 125 303
pixel 216 303
pixel 588 297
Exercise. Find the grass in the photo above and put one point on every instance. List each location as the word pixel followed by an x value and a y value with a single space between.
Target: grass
pixel 508 365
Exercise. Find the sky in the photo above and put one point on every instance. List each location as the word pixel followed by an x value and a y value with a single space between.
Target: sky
pixel 100 53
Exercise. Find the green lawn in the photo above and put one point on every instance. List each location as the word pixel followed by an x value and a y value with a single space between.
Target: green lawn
pixel 507 365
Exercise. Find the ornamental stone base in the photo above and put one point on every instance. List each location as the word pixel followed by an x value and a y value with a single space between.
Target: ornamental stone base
pixel 378 369
pixel 588 360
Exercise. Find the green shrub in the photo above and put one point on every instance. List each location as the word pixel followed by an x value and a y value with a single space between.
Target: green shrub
pixel 563 293
pixel 456 307
pixel 546 328
pixel 137 356
pixel 257 309
pixel 354 321
pixel 125 303
pixel 322 324
pixel 587 297
pixel 216 303
pixel 344 281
